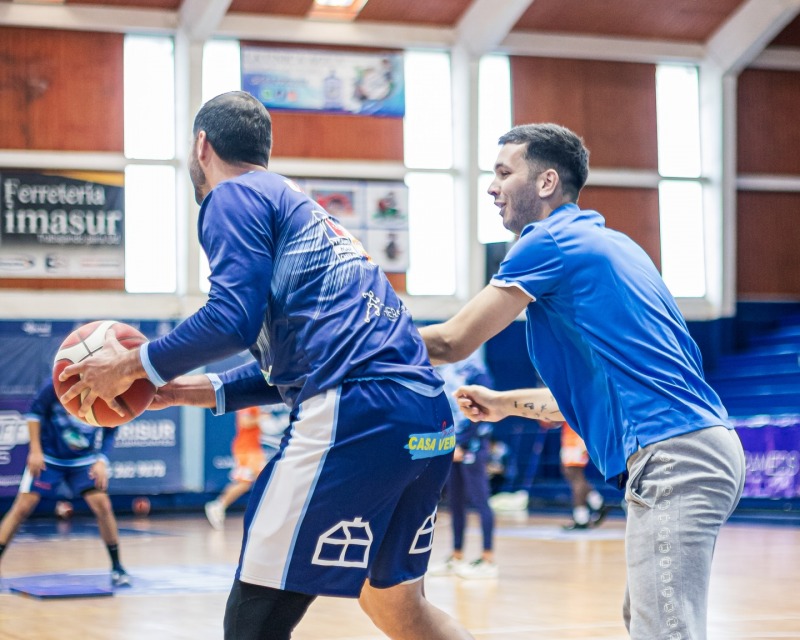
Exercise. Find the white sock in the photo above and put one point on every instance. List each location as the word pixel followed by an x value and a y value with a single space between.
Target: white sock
pixel 580 514
pixel 595 500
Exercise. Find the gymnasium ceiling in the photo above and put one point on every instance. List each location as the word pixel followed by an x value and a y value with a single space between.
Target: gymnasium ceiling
pixel 685 28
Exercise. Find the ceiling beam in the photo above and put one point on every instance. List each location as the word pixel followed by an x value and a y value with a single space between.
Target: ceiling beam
pixel 748 31
pixel 365 34
pixel 548 45
pixel 201 18
pixel 486 23
pixel 88 18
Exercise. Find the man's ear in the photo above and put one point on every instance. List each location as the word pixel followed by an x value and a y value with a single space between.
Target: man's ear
pixel 550 182
pixel 202 147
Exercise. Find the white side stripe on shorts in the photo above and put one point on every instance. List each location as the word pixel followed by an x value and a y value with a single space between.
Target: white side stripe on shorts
pixel 272 532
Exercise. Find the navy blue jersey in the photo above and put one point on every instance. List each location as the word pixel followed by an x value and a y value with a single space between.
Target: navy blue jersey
pixel 290 284
pixel 66 441
pixel 607 338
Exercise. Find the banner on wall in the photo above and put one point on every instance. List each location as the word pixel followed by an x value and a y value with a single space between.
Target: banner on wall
pixel 325 81
pixel 375 212
pixel 70 225
pixel 146 457
pixel 772 453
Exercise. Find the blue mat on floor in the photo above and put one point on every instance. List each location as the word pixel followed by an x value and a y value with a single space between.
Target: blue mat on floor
pixel 61 585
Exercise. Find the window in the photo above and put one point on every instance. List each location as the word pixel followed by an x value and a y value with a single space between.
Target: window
pixel 432 226
pixel 150 203
pixel 681 191
pixel 494 119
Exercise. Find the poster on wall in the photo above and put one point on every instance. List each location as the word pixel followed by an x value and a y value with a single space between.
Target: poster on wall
pixel 325 81
pixel 68 225
pixel 375 212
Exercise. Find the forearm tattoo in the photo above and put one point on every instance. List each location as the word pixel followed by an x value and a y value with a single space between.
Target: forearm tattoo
pixel 542 410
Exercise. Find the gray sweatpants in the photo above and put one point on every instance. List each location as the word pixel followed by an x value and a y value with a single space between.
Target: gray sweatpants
pixel 679 493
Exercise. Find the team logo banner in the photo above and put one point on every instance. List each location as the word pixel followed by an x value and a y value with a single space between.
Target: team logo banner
pixel 61 226
pixel 772 452
pixel 327 81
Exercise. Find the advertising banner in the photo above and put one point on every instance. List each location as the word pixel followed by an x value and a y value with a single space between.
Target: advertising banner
pixel 61 226
pixel 772 451
pixel 325 81
pixel 146 457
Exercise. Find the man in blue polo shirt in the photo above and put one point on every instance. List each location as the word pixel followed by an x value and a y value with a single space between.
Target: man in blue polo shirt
pixel 609 341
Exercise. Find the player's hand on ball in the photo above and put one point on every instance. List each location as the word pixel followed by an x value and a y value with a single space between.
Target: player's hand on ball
pixel 106 375
pixel 98 376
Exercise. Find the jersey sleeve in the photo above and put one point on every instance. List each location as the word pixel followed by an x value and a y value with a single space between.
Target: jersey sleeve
pixel 243 387
pixel 236 226
pixel 534 264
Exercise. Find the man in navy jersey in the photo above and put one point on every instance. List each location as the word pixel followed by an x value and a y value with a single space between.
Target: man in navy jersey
pixel 347 506
pixel 608 339
pixel 65 451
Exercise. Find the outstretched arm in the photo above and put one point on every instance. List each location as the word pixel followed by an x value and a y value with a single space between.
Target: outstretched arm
pixel 483 317
pixel 480 404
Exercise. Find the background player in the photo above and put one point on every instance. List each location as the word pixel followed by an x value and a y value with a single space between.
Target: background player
pixel 468 483
pixel 257 438
pixel 346 508
pixel 65 450
pixel 588 505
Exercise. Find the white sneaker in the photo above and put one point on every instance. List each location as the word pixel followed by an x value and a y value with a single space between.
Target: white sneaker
pixel 120 578
pixel 478 570
pixel 215 512
pixel 449 567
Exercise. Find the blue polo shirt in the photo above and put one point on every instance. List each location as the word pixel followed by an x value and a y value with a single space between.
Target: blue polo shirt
pixel 607 338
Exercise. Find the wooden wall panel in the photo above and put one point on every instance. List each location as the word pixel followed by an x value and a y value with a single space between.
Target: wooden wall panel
pixel 768 129
pixel 60 90
pixel 767 238
pixel 337 137
pixel 611 104
pixel 634 212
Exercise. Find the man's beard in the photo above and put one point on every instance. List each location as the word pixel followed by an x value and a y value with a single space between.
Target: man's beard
pixel 198 177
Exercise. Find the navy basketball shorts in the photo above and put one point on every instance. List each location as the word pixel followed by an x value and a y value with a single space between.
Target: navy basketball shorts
pixel 352 494
pixel 46 485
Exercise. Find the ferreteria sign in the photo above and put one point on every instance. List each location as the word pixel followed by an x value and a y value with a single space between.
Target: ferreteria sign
pixel 61 225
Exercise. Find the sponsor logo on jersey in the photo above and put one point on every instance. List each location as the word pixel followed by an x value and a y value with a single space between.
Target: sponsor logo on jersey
pixel 344 244
pixel 428 445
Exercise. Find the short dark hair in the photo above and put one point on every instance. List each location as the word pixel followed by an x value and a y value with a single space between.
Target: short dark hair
pixel 553 146
pixel 238 127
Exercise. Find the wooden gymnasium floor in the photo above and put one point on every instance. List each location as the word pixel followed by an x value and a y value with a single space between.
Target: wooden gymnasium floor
pixel 552 584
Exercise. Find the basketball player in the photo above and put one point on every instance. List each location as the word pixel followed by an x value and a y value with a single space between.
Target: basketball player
pixel 347 506
pixel 588 505
pixel 468 483
pixel 65 450
pixel 250 449
pixel 609 341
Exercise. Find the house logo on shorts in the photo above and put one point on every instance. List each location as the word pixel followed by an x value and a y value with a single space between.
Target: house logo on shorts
pixel 423 541
pixel 345 544
pixel 428 445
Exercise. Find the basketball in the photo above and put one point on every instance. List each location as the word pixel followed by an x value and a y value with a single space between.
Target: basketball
pixel 141 506
pixel 64 510
pixel 83 343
